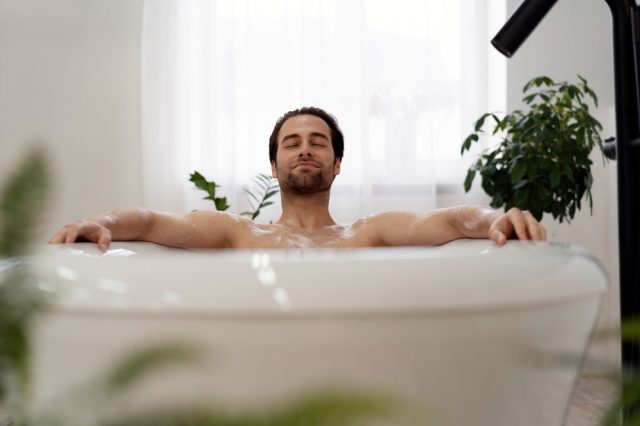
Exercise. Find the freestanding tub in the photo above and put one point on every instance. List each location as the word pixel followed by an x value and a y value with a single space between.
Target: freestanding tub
pixel 464 334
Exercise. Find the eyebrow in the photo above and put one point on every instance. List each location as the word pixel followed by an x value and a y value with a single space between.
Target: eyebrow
pixel 296 135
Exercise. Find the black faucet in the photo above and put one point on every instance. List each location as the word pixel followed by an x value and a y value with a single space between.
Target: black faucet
pixel 625 149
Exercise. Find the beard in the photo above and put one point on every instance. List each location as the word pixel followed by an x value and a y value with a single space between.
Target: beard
pixel 305 182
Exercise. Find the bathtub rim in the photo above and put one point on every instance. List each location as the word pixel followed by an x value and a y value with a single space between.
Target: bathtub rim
pixel 315 255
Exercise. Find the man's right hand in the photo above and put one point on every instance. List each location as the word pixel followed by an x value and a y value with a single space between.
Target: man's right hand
pixel 200 229
pixel 83 230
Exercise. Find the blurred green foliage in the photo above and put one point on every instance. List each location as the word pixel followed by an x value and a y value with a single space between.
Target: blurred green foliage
pixel 22 204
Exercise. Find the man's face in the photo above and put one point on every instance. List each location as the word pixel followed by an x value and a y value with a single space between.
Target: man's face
pixel 305 163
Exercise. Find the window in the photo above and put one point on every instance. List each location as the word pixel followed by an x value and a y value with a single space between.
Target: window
pixel 406 79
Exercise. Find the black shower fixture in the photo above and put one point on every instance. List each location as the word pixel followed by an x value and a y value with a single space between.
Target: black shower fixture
pixel 626 147
pixel 520 25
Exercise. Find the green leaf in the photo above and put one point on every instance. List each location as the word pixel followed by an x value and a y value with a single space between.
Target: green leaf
pixel 210 188
pixel 521 199
pixel 480 122
pixel 520 184
pixel 503 124
pixel 555 177
pixel 467 142
pixel 265 178
pixel 202 183
pixel 266 188
pixel 532 170
pixel 568 172
pixel 517 171
pixel 221 204
pixel 528 86
pixel 270 194
pixel 592 94
pixel 22 204
pixel 542 192
pixel 471 174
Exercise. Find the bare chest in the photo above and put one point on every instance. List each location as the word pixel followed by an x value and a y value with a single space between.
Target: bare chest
pixel 284 237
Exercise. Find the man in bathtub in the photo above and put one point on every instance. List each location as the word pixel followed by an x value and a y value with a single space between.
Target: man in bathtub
pixel 305 150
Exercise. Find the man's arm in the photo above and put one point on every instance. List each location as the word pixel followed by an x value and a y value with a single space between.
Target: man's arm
pixel 444 225
pixel 202 229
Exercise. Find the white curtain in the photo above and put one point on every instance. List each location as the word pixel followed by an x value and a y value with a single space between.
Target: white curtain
pixel 405 78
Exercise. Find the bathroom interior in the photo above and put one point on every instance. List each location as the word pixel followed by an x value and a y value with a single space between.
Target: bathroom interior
pixel 89 81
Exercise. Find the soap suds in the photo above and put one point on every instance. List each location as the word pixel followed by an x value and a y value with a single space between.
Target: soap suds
pixel 471 224
pixel 299 241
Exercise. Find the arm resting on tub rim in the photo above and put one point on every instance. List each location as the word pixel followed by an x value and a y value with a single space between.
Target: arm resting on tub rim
pixel 448 224
pixel 201 229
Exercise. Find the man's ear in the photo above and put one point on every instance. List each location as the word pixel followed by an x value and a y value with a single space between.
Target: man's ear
pixel 336 168
pixel 274 173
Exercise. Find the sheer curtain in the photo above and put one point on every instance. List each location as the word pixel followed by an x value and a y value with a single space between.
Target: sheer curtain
pixel 405 79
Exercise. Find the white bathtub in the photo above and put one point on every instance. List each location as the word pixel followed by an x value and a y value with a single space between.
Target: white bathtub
pixel 463 334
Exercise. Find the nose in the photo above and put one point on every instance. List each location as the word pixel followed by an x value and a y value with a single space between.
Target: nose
pixel 305 150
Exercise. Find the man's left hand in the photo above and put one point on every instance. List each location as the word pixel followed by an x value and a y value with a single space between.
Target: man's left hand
pixel 516 224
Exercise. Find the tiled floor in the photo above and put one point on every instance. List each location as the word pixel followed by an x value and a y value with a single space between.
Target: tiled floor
pixel 594 395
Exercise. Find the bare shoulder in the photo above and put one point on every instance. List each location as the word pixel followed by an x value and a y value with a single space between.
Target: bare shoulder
pixel 231 223
pixel 240 229
pixel 372 228
pixel 388 218
pixel 213 217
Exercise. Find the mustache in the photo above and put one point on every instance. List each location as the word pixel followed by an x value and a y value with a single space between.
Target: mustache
pixel 312 162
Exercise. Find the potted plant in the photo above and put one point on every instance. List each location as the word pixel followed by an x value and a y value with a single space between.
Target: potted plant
pixel 542 163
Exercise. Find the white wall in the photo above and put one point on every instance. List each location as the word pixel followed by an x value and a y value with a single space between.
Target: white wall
pixel 575 38
pixel 69 74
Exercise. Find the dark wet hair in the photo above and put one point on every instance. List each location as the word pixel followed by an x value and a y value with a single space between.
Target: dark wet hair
pixel 337 139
